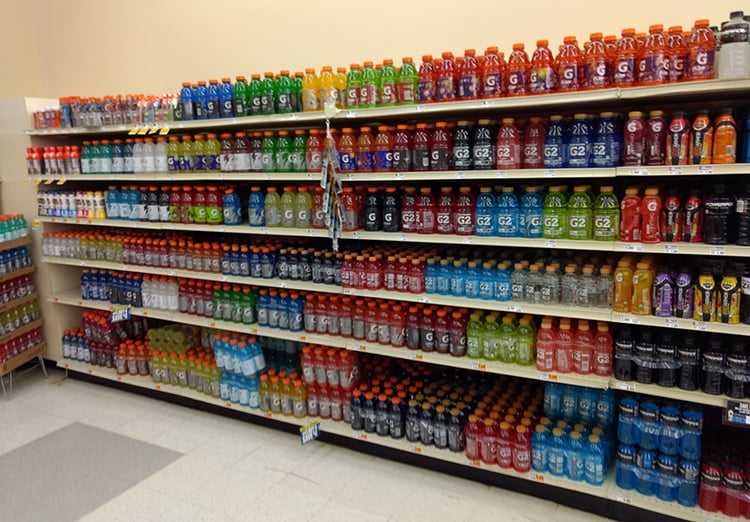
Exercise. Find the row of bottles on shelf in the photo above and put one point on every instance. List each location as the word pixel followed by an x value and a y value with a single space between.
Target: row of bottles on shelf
pixel 13 226
pixel 20 344
pixel 660 449
pixel 584 141
pixel 651 58
pixel 98 339
pixel 14 259
pixel 714 364
pixel 16 288
pixel 725 470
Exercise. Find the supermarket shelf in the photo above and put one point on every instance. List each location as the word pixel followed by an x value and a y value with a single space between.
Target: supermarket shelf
pixel 180 177
pixel 33 325
pixel 453 239
pixel 695 249
pixel 21 359
pixel 695 396
pixel 246 122
pixel 15 243
pixel 693 90
pixel 17 273
pixel 607 491
pixel 471 175
pixel 681 324
pixel 146 225
pixel 685 170
pixel 18 302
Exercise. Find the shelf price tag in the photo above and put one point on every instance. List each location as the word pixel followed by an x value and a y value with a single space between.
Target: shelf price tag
pixel 120 313
pixel 416 356
pixel 639 172
pixel 549 173
pixel 627 386
pixel 699 325
pixel 398 176
pixel 423 299
pixel 476 463
pixel 717 251
pixel 468 240
pixel 501 174
pixel 62 181
pixel 415 449
pixel 459 174
pixel 671 323
pixel 705 169
pixel 622 497
pixel 547 377
pixel 630 319
pixel 478 366
pixel 309 432
pixel 536 477
pixel 633 247
pixel 550 243
pixel 675 170
pixel 671 248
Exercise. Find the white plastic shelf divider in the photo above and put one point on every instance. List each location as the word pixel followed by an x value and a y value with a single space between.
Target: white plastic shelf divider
pixel 180 177
pixel 227 229
pixel 608 490
pixel 478 175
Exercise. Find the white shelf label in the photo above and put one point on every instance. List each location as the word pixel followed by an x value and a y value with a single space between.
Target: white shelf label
pixel 459 174
pixel 633 247
pixel 513 308
pixel 423 299
pixel 705 169
pixel 671 248
pixel 717 251
pixel 351 114
pixel 622 497
pixel 548 173
pixel 627 386
pixel 468 240
pixel 415 356
pixel 356 235
pixel 699 325
pixel 630 319
pixel 477 366
pixel 639 171
pixel 401 237
pixel 671 323
pixel 550 243
pixel 501 174
pixel 399 176
pixel 419 108
pixel 676 170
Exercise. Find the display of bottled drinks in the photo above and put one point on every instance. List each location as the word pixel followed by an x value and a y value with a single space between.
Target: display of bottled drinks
pixel 660 448
pixel 14 259
pixel 724 487
pixel 714 364
pixel 19 344
pixel 98 340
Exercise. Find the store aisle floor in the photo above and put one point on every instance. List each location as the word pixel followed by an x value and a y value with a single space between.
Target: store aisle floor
pixel 189 465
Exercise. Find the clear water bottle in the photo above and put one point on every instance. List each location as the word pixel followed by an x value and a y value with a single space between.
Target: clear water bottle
pixel 587 290
pixel 550 293
pixel 518 282
pixel 533 288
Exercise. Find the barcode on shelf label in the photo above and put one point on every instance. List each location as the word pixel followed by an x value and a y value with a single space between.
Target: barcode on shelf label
pixel 633 247
pixel 705 169
pixel 356 235
pixel 459 174
pixel 717 251
pixel 630 319
pixel 674 170
pixel 501 174
pixel 698 325
pixel 546 376
pixel 423 299
pixel 639 172
pixel 548 173
pixel 671 323
pixel 627 386
pixel 415 356
pixel 399 176
pixel 401 237
pixel 550 243
pixel 622 497
pixel 415 449
pixel 468 240
pixel 477 366
pixel 537 477
pixel 476 463
pixel 671 249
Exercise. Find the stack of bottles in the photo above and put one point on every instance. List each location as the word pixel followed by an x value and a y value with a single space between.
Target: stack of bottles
pixel 13 226
pixel 20 344
pixel 75 111
pixel 724 486
pixel 714 364
pixel 240 359
pixel 281 354
pixel 98 340
pixel 660 449
pixel 179 357
pixel 133 358
pixel 566 346
pixel 72 204
pixel 59 160
pixel 574 439
pixel 14 259
pixel 329 375
pixel 16 288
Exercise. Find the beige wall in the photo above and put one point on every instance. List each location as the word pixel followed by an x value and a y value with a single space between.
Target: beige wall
pixel 96 47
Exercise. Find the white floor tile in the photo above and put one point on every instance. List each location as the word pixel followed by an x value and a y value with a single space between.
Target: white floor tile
pixel 138 503
pixel 334 511
pixel 184 476
pixel 184 512
pixel 282 504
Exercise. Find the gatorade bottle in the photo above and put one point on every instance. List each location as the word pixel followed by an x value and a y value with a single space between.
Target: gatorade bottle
pixel 402 149
pixel 606 215
pixel 651 216
pixel 580 215
pixel 326 90
pixel 597 73
pixel 725 138
pixel 440 146
pixel 421 148
pixel 425 212
pixel 678 140
pixel 569 64
pixel 369 90
pixel 282 152
pixel 623 287
pixel 630 222
pixel 485 213
pixel 303 206
pixel 346 149
pixel 555 215
pixel 339 83
pixel 226 98
pixel 255 94
pixel 268 94
pixel 483 151
pixel 212 100
pixel 283 93
pixel 653 62
pixel 310 91
pixel 288 202
pixel 530 217
pixel 427 80
pixel 493 74
pixel 463 215
pixel 298 153
pixel 365 150
pixel 626 60
pixel 532 151
pixel 186 102
pixel 200 100
pixel 517 80
pixel 272 208
pixel 508 148
pixel 388 84
pixel 353 85
pixel 507 213
pixel 579 142
pixel 555 147
pixel 634 140
pixel 607 147
pixel 384 150
pixel 407 82
pixel 314 152
pixel 543 76
pixel 469 76
pixel 676 54
pixel 215 208
pixel 656 139
pixel 701 52
pixel 642 283
pixel 212 154
pixel 241 96
pixel 701 139
pixel 445 78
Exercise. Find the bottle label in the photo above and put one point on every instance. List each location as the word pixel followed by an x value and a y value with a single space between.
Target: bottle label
pixel 676 67
pixel 421 159
pixel 352 97
pixel 365 161
pixel 543 79
pixel 426 91
pixel 461 157
pixel 517 82
pixel 384 160
pixel 212 108
pixel 405 92
pixel 625 70
pixel 173 164
pixel 445 89
pixel 282 161
pixel 211 162
pixel 702 63
pixel 492 85
pixel 347 162
pixel 597 73
pixel 388 94
pixel 653 68
pixel 227 108
pixel 483 156
pixel 314 161
pixel 285 102
pixel 255 105
pixel 553 155
pixel 439 158
pixel 464 223
pixel 469 86
pixel 241 162
pixel 570 77
pixel 266 160
pixel 402 159
pixel 310 100
pixel 367 96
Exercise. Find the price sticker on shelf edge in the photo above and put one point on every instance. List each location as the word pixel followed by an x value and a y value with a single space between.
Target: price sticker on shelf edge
pixel 627 386
pixel 309 432
pixel 120 313
pixel 737 413
pixel 705 169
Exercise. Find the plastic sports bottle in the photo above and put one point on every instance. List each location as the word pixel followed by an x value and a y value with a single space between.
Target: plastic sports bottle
pixel 606 215
pixel 517 80
pixel 608 140
pixel 676 53
pixel 388 84
pixel 543 75
pixel 651 206
pixel 507 213
pixel 226 98
pixel 212 100
pixel 508 147
pixel 555 146
pixel 272 208
pixel 483 151
pixel 440 147
pixel 626 60
pixel 369 87
pixel 493 74
pixel 569 65
pixel 310 91
pixel 579 215
pixel 653 61
pixel 554 215
pixel 597 72
pixel 485 213
pixel 469 76
pixel 530 216
pixel 445 78
pixel 580 142
pixel 407 82
pixel 532 150
pixel 701 52
pixel 365 150
pixel 630 220
pixel 353 85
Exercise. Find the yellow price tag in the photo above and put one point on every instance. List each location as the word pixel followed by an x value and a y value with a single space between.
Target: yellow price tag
pixel 153 130
pixel 163 131
pixel 143 131
pixel 62 181
pixel 132 132
pixel 36 223
pixel 26 181
pixel 37 181
pixel 49 181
